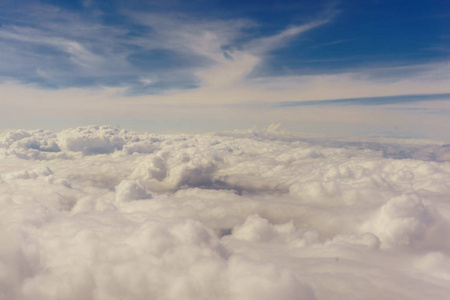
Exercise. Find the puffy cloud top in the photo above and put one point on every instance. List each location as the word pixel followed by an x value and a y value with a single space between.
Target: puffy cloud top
pixel 101 213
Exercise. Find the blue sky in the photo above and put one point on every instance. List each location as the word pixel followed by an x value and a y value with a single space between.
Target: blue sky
pixel 145 55
pixel 130 40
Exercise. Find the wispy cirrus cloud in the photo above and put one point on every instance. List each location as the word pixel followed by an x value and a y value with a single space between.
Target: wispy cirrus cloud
pixel 223 58
pixel 78 53
pixel 69 49
pixel 66 49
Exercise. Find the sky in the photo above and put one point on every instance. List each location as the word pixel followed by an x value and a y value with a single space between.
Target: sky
pixel 230 150
pixel 220 65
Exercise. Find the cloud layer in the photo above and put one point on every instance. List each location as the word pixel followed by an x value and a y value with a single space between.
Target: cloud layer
pixel 101 213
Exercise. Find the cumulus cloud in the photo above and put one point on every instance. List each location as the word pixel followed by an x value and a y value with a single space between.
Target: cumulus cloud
pixel 93 140
pixel 129 190
pixel 101 213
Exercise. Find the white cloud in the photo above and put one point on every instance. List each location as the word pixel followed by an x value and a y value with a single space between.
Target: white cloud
pixel 266 44
pixel 179 33
pixel 146 81
pixel 110 213
pixel 78 53
pixel 62 45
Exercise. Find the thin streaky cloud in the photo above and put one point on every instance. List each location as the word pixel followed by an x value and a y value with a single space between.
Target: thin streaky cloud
pixel 279 40
pixel 385 100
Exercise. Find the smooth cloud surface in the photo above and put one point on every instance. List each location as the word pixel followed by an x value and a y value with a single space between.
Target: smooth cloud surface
pixel 101 213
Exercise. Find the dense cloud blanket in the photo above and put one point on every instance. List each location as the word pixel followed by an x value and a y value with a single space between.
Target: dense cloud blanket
pixel 101 213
